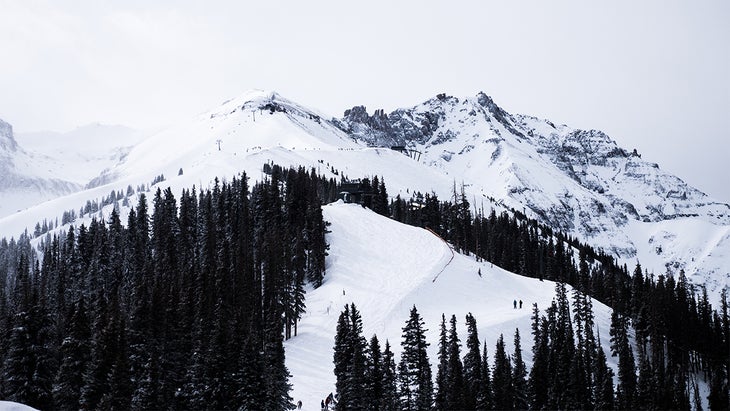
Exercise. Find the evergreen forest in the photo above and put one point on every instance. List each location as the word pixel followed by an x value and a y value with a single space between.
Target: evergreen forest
pixel 187 306
pixel 184 307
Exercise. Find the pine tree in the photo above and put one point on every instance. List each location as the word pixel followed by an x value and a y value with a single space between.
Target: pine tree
pixel 316 232
pixel 75 355
pixel 485 396
pixel 579 385
pixel 603 394
pixel 719 392
pixel 251 392
pixel 519 376
pixel 359 363
pixel 645 388
pixel 103 346
pixel 350 360
pixel 502 378
pixel 373 377
pixel 29 366
pixel 414 369
pixel 443 366
pixel 389 399
pixel 626 389
pixel 343 352
pixel 455 372
pixel 472 364
pixel 538 381
pixel 276 375
pixel 561 349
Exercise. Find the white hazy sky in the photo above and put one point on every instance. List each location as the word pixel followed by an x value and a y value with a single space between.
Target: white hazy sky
pixel 655 75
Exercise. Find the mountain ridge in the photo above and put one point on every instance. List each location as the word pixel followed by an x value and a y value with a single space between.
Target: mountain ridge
pixel 578 181
pixel 578 154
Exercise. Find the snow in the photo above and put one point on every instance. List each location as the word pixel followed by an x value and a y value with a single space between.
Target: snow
pixel 385 268
pixel 80 154
pixel 14 406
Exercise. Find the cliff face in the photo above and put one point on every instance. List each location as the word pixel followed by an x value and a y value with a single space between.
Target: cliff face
pixel 579 181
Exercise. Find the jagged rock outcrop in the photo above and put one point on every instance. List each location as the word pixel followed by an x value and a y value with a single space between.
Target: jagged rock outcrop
pixel 579 181
pixel 7 141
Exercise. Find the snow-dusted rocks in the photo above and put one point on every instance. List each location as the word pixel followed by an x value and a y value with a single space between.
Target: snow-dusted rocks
pixel 579 181
pixel 7 141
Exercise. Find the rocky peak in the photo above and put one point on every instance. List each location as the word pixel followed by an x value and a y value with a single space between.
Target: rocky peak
pixel 7 141
pixel 359 114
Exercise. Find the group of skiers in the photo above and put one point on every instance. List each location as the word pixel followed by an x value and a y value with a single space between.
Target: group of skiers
pixel 328 402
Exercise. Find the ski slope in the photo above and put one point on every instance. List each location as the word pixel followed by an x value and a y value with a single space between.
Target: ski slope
pixel 385 268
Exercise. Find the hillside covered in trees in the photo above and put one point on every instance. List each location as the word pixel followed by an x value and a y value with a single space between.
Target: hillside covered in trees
pixel 188 304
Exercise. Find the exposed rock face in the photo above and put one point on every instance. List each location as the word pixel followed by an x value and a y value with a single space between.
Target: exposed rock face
pixel 579 181
pixel 7 141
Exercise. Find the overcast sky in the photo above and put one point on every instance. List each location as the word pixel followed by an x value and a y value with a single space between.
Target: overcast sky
pixel 654 75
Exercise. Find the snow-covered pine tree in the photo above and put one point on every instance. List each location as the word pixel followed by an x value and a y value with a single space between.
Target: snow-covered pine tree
pixel 75 355
pixel 29 366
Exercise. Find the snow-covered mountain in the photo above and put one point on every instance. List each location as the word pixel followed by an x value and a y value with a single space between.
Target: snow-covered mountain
pixel 27 178
pixel 95 146
pixel 578 181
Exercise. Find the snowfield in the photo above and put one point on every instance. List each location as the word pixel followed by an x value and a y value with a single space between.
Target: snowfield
pixel 385 268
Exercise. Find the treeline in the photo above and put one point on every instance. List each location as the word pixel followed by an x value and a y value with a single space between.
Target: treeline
pixel 186 307
pixel 570 368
